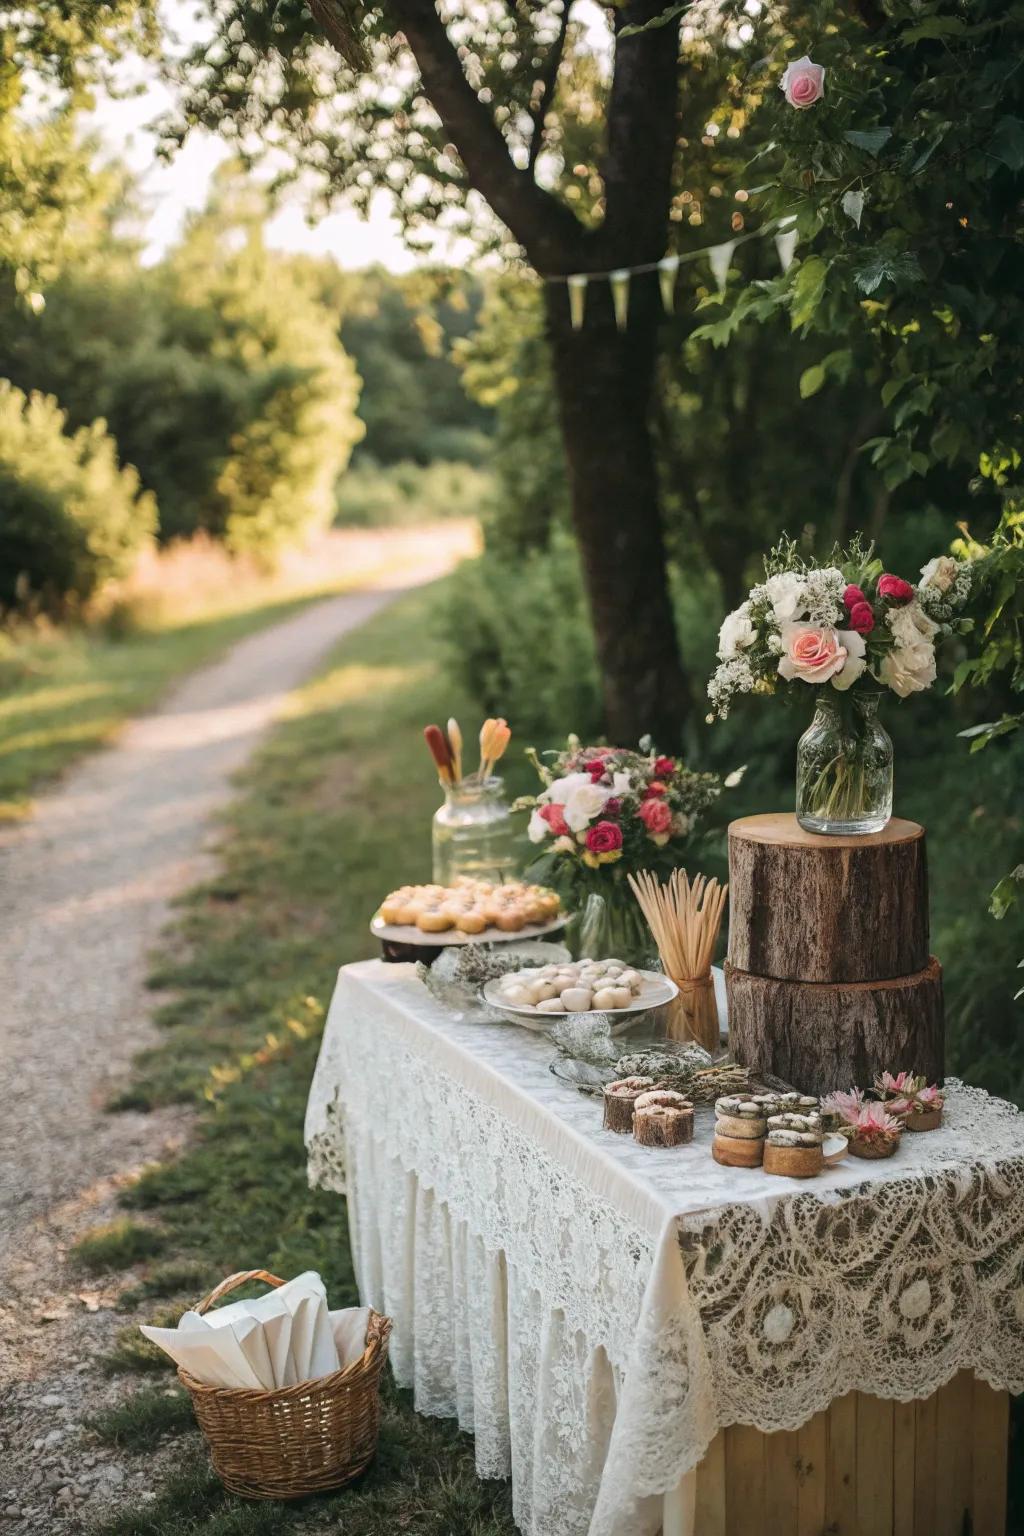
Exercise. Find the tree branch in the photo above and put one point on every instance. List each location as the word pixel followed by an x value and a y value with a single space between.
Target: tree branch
pixel 549 233
pixel 548 85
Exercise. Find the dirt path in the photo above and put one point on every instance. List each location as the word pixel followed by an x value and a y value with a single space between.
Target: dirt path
pixel 85 888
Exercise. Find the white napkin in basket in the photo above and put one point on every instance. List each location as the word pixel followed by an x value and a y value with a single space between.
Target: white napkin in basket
pixel 285 1337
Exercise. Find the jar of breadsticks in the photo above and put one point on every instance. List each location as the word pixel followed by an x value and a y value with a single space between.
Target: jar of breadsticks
pixel 473 833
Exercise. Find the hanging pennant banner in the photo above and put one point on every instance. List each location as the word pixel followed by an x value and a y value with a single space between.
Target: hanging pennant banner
pixel 619 280
pixel 719 260
pixel 785 245
pixel 577 285
pixel 668 271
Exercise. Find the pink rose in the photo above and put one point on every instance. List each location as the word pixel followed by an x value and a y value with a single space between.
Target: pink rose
pixel 656 816
pixel 861 618
pixel 655 787
pixel 803 83
pixel 554 815
pixel 853 595
pixel 895 589
pixel 605 837
pixel 817 652
pixel 664 767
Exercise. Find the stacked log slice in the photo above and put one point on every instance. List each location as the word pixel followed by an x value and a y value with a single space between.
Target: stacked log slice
pixel 829 977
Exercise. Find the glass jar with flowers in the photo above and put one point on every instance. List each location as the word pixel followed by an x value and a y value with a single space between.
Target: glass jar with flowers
pixel 605 813
pixel 851 633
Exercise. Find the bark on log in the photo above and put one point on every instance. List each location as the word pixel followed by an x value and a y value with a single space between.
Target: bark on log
pixel 820 1036
pixel 809 908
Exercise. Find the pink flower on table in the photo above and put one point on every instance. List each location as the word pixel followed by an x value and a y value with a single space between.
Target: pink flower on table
pixel 817 653
pixel 862 619
pixel 555 818
pixel 803 82
pixel 846 1105
pixel 931 1097
pixel 604 837
pixel 903 1082
pixel 875 1120
pixel 656 816
pixel 894 589
pixel 853 595
pixel 664 767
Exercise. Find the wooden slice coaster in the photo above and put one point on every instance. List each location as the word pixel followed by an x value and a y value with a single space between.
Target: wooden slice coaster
pixel 737 1152
pixel 742 1127
pixel 793 1162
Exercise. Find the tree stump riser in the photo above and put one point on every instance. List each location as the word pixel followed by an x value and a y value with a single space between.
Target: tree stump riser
pixel 827 909
pixel 823 1036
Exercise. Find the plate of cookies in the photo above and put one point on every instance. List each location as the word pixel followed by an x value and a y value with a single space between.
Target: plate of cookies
pixel 467 912
pixel 539 995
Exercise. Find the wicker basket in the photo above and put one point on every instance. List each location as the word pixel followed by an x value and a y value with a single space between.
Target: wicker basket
pixel 299 1440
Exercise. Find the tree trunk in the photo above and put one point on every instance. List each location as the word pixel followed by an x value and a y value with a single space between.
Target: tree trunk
pixel 603 380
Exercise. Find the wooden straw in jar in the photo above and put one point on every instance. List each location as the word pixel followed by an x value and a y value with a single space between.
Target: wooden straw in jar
pixel 685 918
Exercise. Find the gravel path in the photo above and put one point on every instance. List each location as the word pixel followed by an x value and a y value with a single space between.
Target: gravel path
pixel 85 889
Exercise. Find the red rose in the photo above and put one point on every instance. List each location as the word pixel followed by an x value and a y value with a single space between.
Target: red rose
pixel 612 807
pixel 861 618
pixel 895 589
pixel 596 768
pixel 655 787
pixel 664 767
pixel 605 837
pixel 852 596
pixel 555 818
pixel 656 817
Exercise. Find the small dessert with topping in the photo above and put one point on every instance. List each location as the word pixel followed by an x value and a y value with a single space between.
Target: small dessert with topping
pixel 662 1118
pixel 619 1099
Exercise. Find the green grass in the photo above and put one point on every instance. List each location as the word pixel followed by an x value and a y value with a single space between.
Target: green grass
pixel 65 691
pixel 137 1423
pixel 118 1245
pixel 333 811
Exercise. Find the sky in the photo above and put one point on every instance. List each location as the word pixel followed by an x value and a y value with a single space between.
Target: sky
pixel 170 192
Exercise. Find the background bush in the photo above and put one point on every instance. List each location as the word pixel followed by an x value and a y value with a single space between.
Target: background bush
pixel 372 495
pixel 70 517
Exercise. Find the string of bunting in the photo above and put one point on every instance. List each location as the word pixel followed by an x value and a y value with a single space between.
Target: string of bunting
pixel 719 258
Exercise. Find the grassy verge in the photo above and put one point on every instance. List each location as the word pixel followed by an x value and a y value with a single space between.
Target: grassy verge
pixel 335 809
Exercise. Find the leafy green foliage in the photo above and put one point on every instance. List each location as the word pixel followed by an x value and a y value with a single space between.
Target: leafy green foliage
pixel 70 517
pixel 372 495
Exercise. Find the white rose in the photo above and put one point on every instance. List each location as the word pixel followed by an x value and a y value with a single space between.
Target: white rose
pixel 853 666
pixel 559 790
pixel 622 783
pixel 911 626
pixel 538 829
pixel 563 845
pixel 909 668
pixel 939 573
pixel 786 595
pixel 817 653
pixel 583 805
pixel 736 634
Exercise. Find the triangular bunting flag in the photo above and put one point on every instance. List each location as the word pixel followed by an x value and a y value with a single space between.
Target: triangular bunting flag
pixel 719 260
pixel 619 281
pixel 577 285
pixel 785 245
pixel 668 270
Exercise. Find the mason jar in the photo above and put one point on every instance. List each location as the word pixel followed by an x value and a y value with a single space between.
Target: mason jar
pixel 473 833
pixel 844 767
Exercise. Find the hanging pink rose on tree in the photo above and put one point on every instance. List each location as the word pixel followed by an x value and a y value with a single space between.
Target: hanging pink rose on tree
pixel 803 83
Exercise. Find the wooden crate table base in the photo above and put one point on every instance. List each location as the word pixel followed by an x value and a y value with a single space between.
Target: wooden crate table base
pixel 829 977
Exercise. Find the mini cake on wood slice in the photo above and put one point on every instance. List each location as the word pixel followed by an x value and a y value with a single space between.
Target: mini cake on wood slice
pixel 737 1151
pixel 793 1147
pixel 742 1115
pixel 619 1100
pixel 662 1118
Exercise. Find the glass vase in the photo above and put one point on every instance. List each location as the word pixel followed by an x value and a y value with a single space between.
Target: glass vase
pixel 613 927
pixel 844 768
pixel 473 833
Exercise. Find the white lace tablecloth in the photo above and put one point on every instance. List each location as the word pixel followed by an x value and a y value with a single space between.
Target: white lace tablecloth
pixel 594 1311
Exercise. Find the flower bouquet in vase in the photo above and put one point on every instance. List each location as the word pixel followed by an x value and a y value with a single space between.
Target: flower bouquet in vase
pixel 603 814
pixel 852 634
